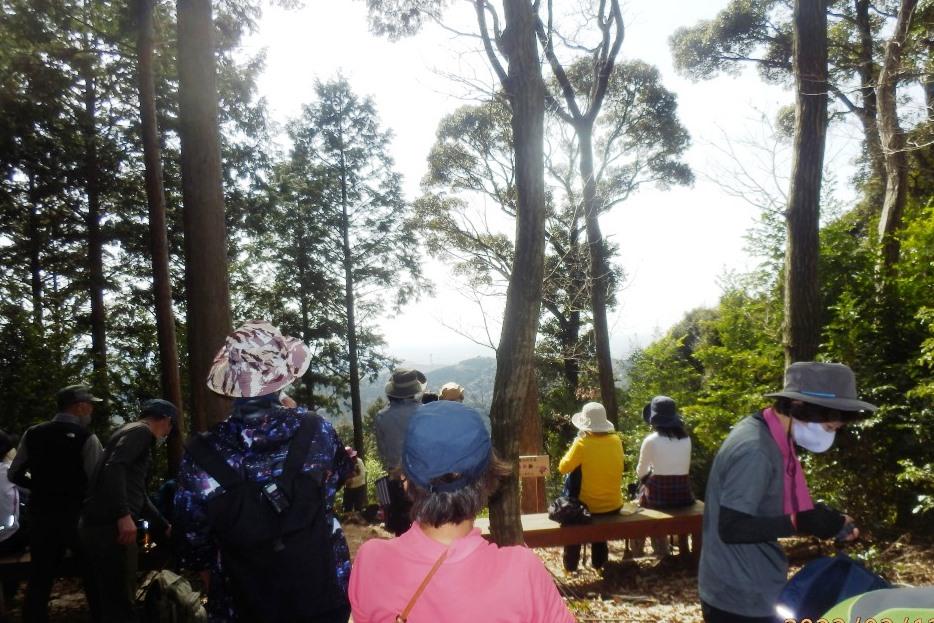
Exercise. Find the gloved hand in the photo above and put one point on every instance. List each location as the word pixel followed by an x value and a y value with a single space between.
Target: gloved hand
pixel 821 521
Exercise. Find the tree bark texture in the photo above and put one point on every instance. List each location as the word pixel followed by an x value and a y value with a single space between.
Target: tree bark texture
pixel 206 277
pixel 570 343
pixel 599 273
pixel 304 298
pixel 514 384
pixel 35 259
pixel 893 141
pixel 867 78
pixel 158 238
pixel 94 234
pixel 352 355
pixel 802 293
pixel 929 80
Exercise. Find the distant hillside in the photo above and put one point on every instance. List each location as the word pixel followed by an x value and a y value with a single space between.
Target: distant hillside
pixel 475 375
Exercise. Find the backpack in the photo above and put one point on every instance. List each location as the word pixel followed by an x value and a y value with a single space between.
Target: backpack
pixel 568 511
pixel 822 583
pixel 892 604
pixel 166 597
pixel 274 537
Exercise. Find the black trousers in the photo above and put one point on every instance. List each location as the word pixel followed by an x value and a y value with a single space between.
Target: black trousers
pixel 716 615
pixel 599 552
pixel 50 536
pixel 396 514
pixel 113 572
pixel 354 499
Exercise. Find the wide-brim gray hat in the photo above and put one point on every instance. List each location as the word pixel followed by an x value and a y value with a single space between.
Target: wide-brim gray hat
pixel 405 383
pixel 592 419
pixel 831 385
pixel 662 412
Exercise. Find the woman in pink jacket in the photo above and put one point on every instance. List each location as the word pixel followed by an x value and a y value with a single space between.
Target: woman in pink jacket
pixel 449 472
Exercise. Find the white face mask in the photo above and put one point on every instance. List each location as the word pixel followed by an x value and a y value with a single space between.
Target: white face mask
pixel 812 435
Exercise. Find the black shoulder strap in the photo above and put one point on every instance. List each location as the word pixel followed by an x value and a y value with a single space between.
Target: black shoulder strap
pixel 211 461
pixel 298 452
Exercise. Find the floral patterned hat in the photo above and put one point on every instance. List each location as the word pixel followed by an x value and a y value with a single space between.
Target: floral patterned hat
pixel 256 360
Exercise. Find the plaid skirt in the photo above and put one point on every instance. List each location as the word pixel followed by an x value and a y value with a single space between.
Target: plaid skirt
pixel 667 492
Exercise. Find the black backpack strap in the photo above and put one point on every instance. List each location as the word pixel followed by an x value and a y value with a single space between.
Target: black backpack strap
pixel 211 461
pixel 298 452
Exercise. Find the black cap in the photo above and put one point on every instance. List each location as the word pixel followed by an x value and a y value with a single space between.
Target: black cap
pixel 159 408
pixel 662 412
pixel 73 394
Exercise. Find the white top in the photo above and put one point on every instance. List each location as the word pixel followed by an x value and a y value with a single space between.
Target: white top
pixel 664 456
pixel 9 504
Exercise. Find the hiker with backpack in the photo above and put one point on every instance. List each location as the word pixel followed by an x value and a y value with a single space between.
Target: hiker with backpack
pixel 55 461
pixel 757 493
pixel 255 499
pixel 442 570
pixel 594 468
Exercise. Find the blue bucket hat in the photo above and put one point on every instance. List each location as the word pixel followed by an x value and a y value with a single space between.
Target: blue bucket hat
pixel 445 437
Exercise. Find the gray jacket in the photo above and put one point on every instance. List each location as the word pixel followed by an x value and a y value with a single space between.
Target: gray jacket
pixel 391 424
pixel 746 476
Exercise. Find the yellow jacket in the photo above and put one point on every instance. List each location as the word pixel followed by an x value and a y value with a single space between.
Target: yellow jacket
pixel 601 459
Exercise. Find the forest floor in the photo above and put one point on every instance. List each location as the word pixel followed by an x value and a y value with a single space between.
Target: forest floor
pixel 636 590
pixel 649 589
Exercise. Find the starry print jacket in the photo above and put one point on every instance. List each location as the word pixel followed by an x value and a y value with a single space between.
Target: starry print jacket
pixel 255 441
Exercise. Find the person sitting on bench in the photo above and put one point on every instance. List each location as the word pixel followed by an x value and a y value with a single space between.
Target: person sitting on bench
pixel 598 452
pixel 664 463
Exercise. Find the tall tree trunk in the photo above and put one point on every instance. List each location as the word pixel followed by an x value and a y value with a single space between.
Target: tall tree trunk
pixel 929 76
pixel 514 384
pixel 158 238
pixel 95 236
pixel 599 272
pixel 355 406
pixel 304 304
pixel 570 338
pixel 893 142
pixel 802 293
pixel 35 258
pixel 583 121
pixel 867 88
pixel 206 277
pixel 572 330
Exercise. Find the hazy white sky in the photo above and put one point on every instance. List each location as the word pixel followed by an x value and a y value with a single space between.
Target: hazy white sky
pixel 674 245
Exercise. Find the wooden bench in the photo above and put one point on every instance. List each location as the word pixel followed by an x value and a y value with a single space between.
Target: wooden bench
pixel 539 531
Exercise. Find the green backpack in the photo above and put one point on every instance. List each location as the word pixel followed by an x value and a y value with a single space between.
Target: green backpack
pixel 166 597
pixel 913 604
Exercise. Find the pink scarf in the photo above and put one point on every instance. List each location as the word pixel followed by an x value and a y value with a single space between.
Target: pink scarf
pixel 796 495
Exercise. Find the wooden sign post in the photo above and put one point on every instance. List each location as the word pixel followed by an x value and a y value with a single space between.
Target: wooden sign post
pixel 532 472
